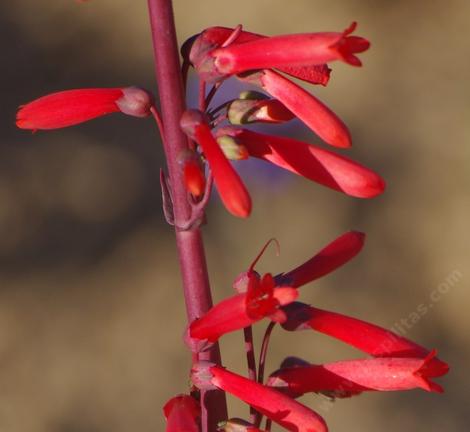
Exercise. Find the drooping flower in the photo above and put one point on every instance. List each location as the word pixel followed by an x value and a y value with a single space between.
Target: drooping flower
pixel 377 374
pixel 262 299
pixel 319 165
pixel 334 255
pixel 231 188
pixel 306 107
pixel 275 405
pixel 182 413
pixel 289 50
pixel 198 51
pixel 71 107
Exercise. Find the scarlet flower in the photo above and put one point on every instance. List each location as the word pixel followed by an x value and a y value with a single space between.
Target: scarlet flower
pixel 231 188
pixel 354 376
pixel 198 51
pixel 71 107
pixel 334 255
pixel 306 107
pixel 367 337
pixel 290 50
pixel 275 405
pixel 182 413
pixel 319 165
pixel 260 300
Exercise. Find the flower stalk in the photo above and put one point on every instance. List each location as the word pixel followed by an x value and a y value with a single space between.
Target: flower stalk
pixel 189 242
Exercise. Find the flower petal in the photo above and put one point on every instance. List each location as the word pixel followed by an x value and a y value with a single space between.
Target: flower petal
pixel 332 256
pixel 229 184
pixel 277 406
pixel 319 165
pixel 71 107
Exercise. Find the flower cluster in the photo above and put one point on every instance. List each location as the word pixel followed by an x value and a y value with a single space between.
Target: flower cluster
pixel 395 363
pixel 219 53
pixel 216 54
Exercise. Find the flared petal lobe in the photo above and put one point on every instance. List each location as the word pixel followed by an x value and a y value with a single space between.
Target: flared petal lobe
pixel 236 313
pixel 276 406
pixel 71 107
pixel 290 50
pixel 332 256
pixel 232 191
pixel 377 374
pixel 319 165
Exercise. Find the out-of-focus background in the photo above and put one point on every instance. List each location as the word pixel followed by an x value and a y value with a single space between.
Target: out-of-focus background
pixel 91 314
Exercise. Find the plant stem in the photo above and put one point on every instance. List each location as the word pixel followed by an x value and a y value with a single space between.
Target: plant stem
pixel 189 242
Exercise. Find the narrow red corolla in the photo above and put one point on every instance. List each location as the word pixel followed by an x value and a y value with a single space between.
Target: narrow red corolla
pixel 290 50
pixel 277 406
pixel 362 335
pixel 71 107
pixel 182 413
pixel 198 49
pixel 316 164
pixel 353 376
pixel 261 300
pixel 231 188
pixel 306 107
pixel 334 255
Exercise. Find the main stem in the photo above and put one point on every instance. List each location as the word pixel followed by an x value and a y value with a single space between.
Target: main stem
pixel 189 242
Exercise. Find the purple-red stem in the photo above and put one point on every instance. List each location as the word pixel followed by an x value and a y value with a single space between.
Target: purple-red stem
pixel 189 242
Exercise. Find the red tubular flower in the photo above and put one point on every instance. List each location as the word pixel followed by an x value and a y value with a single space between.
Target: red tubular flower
pixel 379 374
pixel 332 256
pixel 231 188
pixel 290 50
pixel 71 107
pixel 314 113
pixel 367 337
pixel 198 49
pixel 182 413
pixel 277 406
pixel 319 165
pixel 261 300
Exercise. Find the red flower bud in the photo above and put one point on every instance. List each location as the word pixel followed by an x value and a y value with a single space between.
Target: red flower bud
pixel 254 107
pixel 182 413
pixel 71 107
pixel 306 107
pixel 231 188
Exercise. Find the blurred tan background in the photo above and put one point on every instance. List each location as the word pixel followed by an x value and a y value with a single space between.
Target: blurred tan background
pixel 91 314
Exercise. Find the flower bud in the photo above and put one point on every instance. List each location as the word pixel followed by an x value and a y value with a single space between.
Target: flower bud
pixel 232 149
